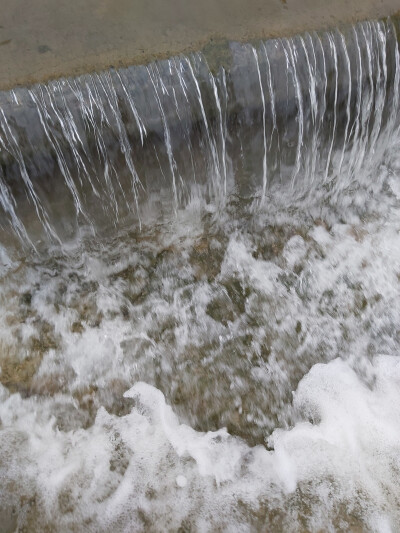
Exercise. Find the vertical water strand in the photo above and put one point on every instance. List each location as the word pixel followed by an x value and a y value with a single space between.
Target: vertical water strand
pixel 45 107
pixel 106 127
pixel 225 114
pixel 159 164
pixel 320 75
pixel 48 127
pixel 125 147
pixel 88 123
pixel 291 61
pixel 139 122
pixel 357 124
pixel 184 185
pixel 178 67
pixel 335 67
pixel 271 96
pixel 216 178
pixel 274 134
pixel 167 137
pixel 376 81
pixel 171 80
pixel 286 117
pixel 264 176
pixel 391 128
pixel 14 149
pixel 70 131
pixel 309 176
pixel 171 95
pixel 369 104
pixel 323 100
pixel 221 125
pixel 95 91
pixel 8 203
pixel 88 107
pixel 14 97
pixel 175 100
pixel 381 83
pixel 349 94
pixel 77 91
pixel 184 112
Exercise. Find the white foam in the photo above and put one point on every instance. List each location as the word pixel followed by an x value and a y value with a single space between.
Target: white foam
pixel 315 310
pixel 354 441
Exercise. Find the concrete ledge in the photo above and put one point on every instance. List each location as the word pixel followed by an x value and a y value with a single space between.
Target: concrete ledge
pixel 47 39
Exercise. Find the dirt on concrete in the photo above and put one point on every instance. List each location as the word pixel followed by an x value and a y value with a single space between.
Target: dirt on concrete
pixel 44 39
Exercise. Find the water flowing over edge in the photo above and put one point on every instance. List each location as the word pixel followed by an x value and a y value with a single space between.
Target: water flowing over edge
pixel 220 309
pixel 90 151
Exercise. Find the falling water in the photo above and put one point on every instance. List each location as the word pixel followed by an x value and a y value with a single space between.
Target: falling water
pixel 90 151
pixel 199 318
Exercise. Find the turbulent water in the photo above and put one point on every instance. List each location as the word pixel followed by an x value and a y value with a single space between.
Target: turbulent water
pixel 200 293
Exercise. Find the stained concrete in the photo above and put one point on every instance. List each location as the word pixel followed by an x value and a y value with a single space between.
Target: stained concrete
pixel 44 39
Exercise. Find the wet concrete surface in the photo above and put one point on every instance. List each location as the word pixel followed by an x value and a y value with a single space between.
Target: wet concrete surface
pixel 44 39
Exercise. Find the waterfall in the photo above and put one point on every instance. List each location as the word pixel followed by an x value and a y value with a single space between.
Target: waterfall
pixel 89 150
pixel 200 291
